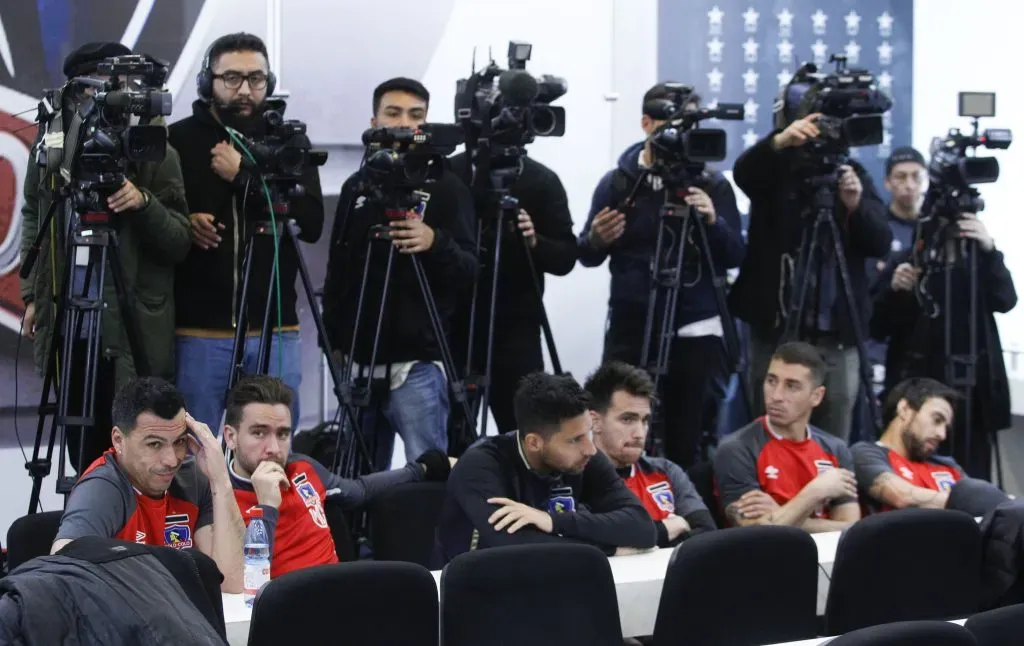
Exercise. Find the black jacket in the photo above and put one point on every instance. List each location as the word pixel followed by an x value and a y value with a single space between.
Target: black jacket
pixel 105 591
pixel 917 341
pixel 449 266
pixel 541 194
pixel 208 284
pixel 606 514
pixel 761 293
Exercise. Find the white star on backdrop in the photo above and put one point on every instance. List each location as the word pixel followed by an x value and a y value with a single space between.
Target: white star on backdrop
pixel 783 77
pixel 785 51
pixel 887 120
pixel 715 17
pixel 750 111
pixel 715 50
pixel 713 104
pixel 884 53
pixel 750 17
pixel 819 20
pixel 750 50
pixel 885 24
pixel 750 81
pixel 749 138
pixel 854 153
pixel 819 48
pixel 715 77
pixel 885 148
pixel 785 23
pixel 885 81
pixel 852 51
pixel 852 23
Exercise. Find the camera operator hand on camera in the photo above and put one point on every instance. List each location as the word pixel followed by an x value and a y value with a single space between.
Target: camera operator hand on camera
pixel 411 236
pixel 225 161
pixel 526 226
pixel 797 133
pixel 204 230
pixel 701 201
pixel 905 277
pixel 127 198
pixel 608 226
pixel 850 188
pixel 974 229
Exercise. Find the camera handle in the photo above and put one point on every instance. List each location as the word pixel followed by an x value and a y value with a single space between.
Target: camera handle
pixel 809 259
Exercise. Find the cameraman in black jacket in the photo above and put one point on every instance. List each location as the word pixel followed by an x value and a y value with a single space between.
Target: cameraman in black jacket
pixel 546 224
pixel 414 401
pixel 225 196
pixel 768 173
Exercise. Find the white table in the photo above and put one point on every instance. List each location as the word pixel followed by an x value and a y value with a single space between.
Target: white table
pixel 821 641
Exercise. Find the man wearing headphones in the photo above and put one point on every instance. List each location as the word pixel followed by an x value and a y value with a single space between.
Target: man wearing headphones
pixel 224 194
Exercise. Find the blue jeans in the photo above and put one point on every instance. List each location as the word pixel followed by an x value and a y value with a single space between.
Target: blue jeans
pixel 203 367
pixel 417 410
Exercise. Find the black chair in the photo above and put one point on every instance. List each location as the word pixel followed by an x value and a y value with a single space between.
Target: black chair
pixel 740 586
pixel 908 633
pixel 344 547
pixel 936 552
pixel 999 627
pixel 403 520
pixel 366 603
pixel 548 594
pixel 31 536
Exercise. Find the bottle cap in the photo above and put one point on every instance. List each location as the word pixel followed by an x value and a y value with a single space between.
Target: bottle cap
pixel 255 512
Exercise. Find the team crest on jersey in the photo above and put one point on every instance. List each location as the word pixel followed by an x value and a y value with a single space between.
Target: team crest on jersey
pixel 944 480
pixel 823 465
pixel 311 499
pixel 177 533
pixel 561 501
pixel 662 494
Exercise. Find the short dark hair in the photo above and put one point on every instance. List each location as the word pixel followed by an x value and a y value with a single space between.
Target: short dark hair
pixel 542 402
pixel 255 389
pixel 916 391
pixel 803 354
pixel 237 42
pixel 614 376
pixel 400 84
pixel 145 395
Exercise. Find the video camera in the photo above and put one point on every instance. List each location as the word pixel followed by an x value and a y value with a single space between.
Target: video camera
pixel 677 142
pixel 510 107
pixel 284 153
pixel 952 173
pixel 399 161
pixel 850 105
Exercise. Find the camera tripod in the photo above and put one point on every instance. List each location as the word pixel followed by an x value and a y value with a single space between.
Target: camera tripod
pixel 363 392
pixel 504 218
pixel 681 222
pixel 286 231
pixel 821 237
pixel 91 232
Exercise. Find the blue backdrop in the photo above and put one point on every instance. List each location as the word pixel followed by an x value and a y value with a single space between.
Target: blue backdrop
pixel 737 51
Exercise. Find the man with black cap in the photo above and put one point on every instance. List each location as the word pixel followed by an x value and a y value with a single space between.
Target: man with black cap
pixel 153 235
pixel 226 198
pixel 623 226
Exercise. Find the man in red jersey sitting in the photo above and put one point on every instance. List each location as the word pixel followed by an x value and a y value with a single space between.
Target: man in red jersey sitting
pixel 780 470
pixel 291 488
pixel 146 489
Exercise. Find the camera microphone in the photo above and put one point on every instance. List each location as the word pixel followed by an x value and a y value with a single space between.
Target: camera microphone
pixel 519 88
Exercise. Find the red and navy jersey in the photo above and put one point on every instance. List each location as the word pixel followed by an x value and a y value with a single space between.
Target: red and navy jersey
pixel 662 487
pixel 105 503
pixel 938 473
pixel 754 457
pixel 299 533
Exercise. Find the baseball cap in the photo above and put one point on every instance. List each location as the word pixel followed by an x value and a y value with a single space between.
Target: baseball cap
pixel 900 155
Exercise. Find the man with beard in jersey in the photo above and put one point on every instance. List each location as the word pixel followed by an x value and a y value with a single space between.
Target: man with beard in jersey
pixel 224 193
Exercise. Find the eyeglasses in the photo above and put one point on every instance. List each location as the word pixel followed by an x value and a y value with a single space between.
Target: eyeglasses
pixel 233 80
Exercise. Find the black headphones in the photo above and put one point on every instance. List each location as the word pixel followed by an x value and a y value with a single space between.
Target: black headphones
pixel 204 79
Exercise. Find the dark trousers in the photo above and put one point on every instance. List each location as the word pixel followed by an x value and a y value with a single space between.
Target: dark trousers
pixel 690 393
pixel 97 437
pixel 517 353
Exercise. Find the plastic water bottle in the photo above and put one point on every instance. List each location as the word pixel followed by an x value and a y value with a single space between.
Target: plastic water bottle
pixel 257 556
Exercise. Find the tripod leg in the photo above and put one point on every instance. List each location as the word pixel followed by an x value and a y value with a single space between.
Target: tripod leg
pixel 241 320
pixel 545 323
pixel 805 261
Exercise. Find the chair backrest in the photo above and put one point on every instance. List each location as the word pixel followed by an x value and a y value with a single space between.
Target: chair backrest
pixel 905 565
pixel 365 602
pixel 542 594
pixel 908 633
pixel 403 520
pixel 31 536
pixel 344 547
pixel 999 627
pixel 746 585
